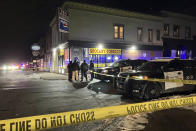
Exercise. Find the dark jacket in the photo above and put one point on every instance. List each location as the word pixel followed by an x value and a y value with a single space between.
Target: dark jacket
pixel 75 66
pixel 84 67
pixel 91 66
pixel 69 67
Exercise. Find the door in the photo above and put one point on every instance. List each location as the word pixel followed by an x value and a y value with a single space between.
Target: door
pixel 174 71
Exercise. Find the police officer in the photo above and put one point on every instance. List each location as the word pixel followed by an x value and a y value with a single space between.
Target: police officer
pixel 84 69
pixel 92 69
pixel 69 67
pixel 75 68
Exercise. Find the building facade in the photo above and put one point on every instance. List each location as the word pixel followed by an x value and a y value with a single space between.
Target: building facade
pixel 105 35
pixel 179 33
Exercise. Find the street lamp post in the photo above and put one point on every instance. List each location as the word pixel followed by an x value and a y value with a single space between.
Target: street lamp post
pixel 35 51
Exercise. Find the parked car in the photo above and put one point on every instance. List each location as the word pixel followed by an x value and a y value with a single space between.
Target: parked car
pixel 161 69
pixel 108 73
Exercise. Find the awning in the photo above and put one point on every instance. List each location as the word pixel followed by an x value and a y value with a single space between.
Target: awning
pixel 88 44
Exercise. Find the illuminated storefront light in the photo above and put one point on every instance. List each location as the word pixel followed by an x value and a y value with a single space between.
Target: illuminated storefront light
pixel 133 48
pixel 116 58
pixel 109 58
pixel 100 46
pixel 62 46
pixel 54 50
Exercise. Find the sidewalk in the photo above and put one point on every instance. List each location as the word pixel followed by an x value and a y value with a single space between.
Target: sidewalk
pixel 52 76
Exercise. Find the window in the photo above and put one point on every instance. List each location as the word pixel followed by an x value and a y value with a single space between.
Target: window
pixel 158 35
pixel 150 35
pixel 176 30
pixel 118 31
pixel 166 29
pixel 139 34
pixel 187 32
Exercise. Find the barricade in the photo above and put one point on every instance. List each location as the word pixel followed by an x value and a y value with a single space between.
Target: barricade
pixel 48 121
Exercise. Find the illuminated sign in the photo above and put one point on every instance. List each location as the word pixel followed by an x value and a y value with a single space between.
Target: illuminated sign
pixel 62 20
pixel 63 26
pixel 104 51
pixel 61 52
pixel 35 47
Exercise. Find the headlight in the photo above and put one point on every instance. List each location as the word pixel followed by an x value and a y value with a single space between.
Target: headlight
pixel 118 75
pixel 140 77
pixel 105 71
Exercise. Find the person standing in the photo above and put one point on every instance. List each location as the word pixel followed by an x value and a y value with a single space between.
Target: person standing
pixel 69 67
pixel 75 68
pixel 84 69
pixel 78 67
pixel 92 69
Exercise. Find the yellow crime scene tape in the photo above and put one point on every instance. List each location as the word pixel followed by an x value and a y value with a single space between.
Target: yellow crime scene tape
pixel 48 121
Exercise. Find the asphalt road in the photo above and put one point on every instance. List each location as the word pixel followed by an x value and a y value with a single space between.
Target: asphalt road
pixel 23 93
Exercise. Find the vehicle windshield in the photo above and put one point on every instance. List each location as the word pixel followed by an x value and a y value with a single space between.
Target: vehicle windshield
pixel 149 66
pixel 114 64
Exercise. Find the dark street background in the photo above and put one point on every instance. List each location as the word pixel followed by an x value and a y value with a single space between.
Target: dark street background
pixel 25 22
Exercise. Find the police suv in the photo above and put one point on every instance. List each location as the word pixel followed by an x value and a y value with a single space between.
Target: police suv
pixel 110 72
pixel 139 85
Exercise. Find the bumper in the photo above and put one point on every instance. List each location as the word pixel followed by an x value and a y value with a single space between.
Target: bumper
pixel 132 87
pixel 121 88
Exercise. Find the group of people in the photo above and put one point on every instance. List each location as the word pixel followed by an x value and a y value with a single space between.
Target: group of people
pixel 74 68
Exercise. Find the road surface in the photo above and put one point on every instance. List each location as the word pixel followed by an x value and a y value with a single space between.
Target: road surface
pixel 23 93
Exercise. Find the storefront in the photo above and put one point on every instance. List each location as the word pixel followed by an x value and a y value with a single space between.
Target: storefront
pixel 104 57
pixel 63 60
pixel 141 54
pixel 108 53
pixel 179 48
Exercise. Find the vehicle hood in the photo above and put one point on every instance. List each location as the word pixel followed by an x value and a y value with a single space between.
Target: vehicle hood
pixel 103 68
pixel 133 73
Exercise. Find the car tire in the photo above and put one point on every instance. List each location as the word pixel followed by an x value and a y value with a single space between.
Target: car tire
pixel 152 91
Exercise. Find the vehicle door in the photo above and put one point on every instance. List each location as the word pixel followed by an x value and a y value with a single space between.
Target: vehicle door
pixel 125 66
pixel 174 71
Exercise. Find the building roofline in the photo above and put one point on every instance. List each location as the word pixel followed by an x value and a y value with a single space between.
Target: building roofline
pixel 110 11
pixel 177 15
pixel 52 21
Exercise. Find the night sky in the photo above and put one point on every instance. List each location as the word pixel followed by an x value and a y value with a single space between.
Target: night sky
pixel 23 22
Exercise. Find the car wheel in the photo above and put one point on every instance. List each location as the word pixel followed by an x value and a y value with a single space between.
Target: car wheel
pixel 152 91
